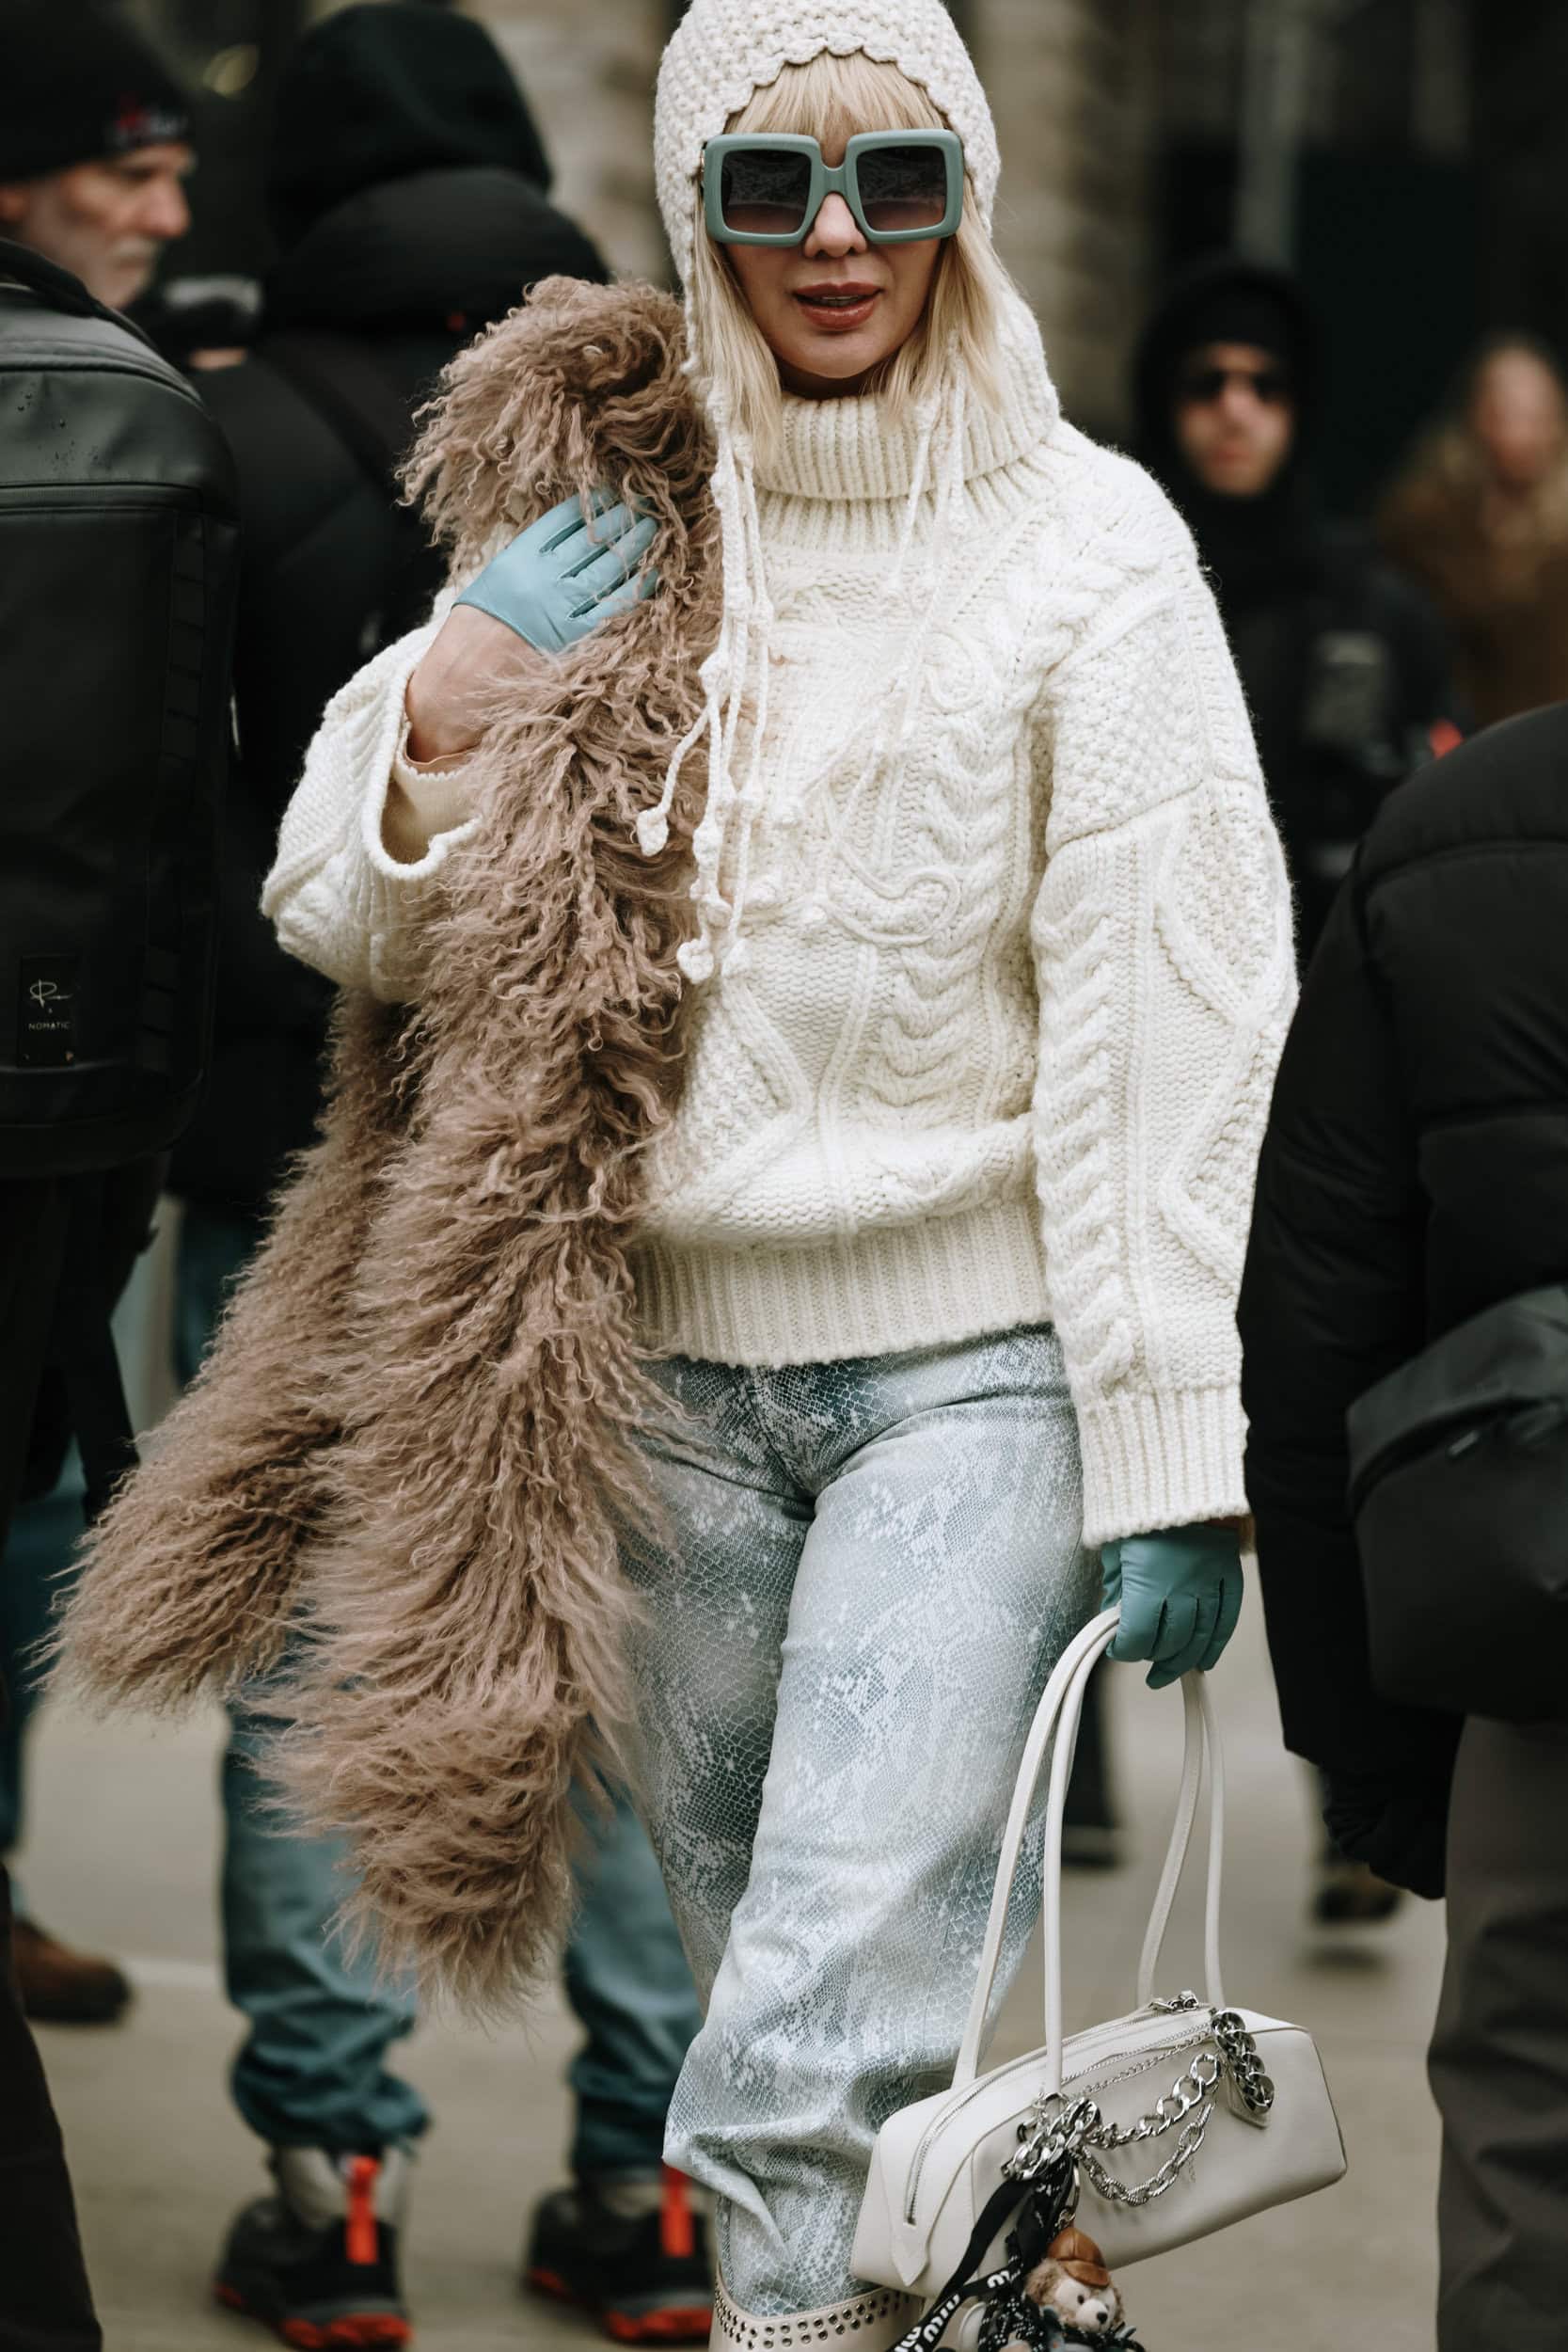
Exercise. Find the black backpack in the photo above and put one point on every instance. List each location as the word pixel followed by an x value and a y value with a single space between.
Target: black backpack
pixel 118 572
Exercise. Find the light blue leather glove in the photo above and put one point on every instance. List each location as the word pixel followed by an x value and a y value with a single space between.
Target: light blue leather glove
pixel 567 572
pixel 1179 1593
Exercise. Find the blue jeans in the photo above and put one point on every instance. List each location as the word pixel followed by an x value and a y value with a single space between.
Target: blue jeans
pixel 866 1573
pixel 313 2067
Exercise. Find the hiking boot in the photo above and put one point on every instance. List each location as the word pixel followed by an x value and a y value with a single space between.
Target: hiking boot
pixel 60 1987
pixel 318 2261
pixel 631 2248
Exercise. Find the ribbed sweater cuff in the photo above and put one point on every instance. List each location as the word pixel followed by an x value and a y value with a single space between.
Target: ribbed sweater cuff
pixel 1156 1461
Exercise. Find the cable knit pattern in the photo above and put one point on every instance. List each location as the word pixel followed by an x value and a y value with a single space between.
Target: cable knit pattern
pixel 1016 925
pixel 724 50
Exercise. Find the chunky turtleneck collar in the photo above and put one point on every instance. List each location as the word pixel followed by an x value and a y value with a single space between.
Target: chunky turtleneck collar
pixel 852 448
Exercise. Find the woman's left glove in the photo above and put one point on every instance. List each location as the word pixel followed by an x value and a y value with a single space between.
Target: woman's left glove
pixel 568 571
pixel 1179 1593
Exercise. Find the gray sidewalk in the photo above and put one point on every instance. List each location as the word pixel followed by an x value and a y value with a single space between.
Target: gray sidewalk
pixel 121 1858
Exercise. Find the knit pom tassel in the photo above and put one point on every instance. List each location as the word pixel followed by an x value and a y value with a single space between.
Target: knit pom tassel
pixel 743 642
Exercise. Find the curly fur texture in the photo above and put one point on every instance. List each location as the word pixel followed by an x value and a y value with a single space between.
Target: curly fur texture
pixel 413 1436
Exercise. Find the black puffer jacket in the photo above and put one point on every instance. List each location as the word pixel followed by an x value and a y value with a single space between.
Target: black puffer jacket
pixel 1415 1171
pixel 411 270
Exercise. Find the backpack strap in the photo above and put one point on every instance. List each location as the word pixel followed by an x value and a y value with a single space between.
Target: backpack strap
pixel 339 378
pixel 341 381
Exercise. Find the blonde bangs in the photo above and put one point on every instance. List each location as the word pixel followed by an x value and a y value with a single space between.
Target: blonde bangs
pixel 831 99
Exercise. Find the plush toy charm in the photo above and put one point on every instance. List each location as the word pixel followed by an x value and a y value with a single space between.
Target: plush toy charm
pixel 1069 2299
pixel 1073 2283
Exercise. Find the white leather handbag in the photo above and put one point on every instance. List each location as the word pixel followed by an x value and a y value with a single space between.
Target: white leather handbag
pixel 1181 2116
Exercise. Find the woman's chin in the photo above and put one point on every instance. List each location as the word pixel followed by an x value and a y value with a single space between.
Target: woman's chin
pixel 830 364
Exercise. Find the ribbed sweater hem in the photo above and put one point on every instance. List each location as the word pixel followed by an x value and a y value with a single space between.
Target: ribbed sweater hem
pixel 1157 1461
pixel 881 1292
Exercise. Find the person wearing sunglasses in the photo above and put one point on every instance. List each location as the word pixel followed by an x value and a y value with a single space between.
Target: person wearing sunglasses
pixel 982 966
pixel 1345 666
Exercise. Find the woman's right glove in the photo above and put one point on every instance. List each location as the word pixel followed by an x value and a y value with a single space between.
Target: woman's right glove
pixel 1179 1594
pixel 567 572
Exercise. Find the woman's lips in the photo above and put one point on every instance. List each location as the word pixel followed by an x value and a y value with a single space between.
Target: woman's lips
pixel 838 309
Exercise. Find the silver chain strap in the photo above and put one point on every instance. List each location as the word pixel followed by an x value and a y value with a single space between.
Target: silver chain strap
pixel 1055 2129
pixel 1144 2192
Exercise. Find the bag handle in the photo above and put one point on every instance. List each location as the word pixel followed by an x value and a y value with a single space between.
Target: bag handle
pixel 1057 1716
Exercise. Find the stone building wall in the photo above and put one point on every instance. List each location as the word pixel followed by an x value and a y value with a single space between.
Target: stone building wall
pixel 1072 85
pixel 588 67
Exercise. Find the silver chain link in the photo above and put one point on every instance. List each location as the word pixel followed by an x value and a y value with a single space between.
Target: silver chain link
pixel 1144 2192
pixel 1056 2129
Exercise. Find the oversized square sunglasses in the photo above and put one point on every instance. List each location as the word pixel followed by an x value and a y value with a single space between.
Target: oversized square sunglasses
pixel 759 189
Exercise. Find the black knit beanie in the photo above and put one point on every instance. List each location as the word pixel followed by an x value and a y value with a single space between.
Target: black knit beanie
pixel 78 84
pixel 383 89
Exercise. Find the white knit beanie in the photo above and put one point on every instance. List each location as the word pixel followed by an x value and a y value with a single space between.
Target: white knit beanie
pixel 724 50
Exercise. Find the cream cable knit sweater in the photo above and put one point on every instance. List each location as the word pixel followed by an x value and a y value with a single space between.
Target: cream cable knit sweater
pixel 1003 1039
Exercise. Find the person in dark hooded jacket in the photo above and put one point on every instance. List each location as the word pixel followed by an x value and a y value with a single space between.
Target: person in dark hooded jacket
pixel 1415 1174
pixel 408 190
pixel 1344 667
pixel 406 186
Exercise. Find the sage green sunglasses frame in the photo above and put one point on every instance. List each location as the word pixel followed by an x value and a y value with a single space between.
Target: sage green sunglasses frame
pixel 828 180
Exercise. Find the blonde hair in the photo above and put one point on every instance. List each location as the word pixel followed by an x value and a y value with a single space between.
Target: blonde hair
pixel 831 99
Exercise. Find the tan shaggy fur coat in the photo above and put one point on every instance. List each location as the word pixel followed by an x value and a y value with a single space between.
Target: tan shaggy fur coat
pixel 413 1433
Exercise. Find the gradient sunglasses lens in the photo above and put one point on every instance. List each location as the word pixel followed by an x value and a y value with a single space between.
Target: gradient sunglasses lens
pixel 903 190
pixel 765 191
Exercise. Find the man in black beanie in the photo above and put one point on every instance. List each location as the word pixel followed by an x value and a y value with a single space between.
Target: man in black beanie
pixel 92 154
pixel 93 145
pixel 1344 667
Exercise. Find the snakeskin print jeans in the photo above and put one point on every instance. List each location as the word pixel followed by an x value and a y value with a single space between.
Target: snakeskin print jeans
pixel 865 1575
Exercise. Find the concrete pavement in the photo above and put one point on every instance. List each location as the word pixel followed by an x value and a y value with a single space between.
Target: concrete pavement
pixel 121 1858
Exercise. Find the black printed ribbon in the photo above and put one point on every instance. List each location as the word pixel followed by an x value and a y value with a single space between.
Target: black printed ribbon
pixel 1045 2202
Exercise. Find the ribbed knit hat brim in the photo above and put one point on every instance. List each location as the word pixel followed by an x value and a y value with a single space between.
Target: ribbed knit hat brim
pixel 724 50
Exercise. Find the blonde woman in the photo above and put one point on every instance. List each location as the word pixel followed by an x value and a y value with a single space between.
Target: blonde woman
pixel 845 952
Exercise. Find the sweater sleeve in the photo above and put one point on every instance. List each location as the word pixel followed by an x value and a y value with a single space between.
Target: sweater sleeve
pixel 1165 967
pixel 337 897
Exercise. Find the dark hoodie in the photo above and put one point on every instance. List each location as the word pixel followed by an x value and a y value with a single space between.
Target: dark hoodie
pixel 1345 668
pixel 407 181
